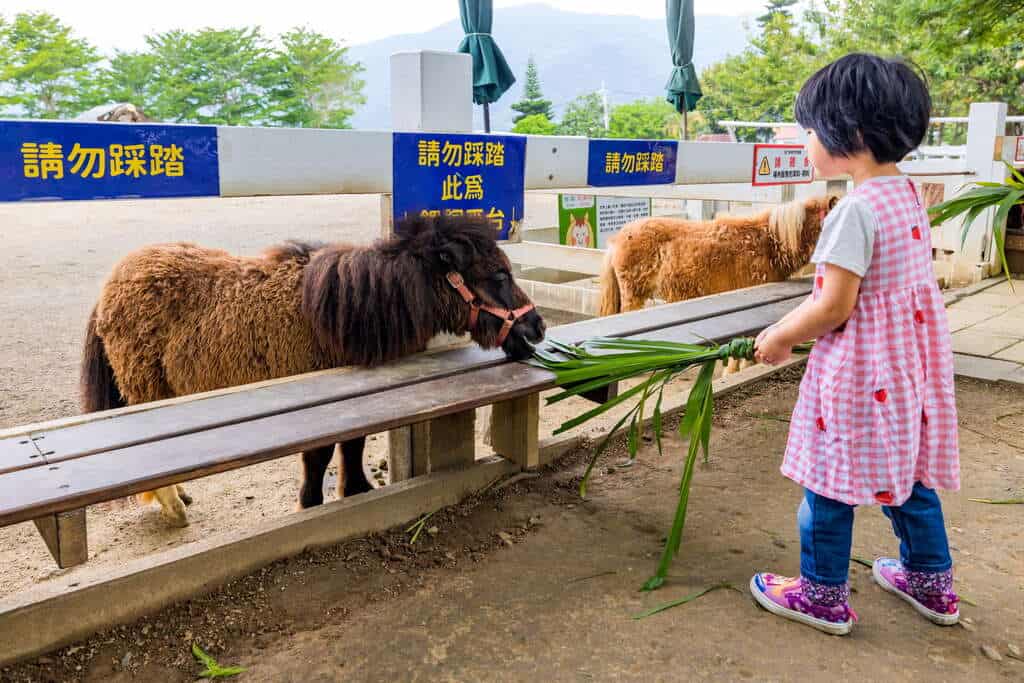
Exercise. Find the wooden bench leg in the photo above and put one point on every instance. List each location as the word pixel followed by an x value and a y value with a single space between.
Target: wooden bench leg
pixel 514 430
pixel 444 443
pixel 65 536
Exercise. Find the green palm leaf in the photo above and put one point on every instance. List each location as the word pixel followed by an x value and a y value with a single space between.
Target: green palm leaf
pixel 662 361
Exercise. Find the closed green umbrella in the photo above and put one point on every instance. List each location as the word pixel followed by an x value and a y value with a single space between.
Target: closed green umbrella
pixel 491 75
pixel 683 88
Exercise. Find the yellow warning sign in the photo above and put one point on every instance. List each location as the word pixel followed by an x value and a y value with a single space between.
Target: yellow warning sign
pixel 764 169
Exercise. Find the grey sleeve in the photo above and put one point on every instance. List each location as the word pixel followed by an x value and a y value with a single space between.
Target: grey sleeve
pixel 847 239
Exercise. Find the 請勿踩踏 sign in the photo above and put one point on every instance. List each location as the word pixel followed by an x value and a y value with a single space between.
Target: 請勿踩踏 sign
pixel 456 174
pixel 61 160
pixel 781 165
pixel 631 162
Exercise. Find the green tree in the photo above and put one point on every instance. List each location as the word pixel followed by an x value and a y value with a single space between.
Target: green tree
pixel 644 119
pixel 44 69
pixel 127 78
pixel 533 101
pixel 535 124
pixel 775 8
pixel 584 116
pixel 317 85
pixel 212 76
pixel 761 83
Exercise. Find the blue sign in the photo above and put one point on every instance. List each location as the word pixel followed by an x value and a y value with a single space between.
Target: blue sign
pixel 632 162
pixel 451 174
pixel 61 160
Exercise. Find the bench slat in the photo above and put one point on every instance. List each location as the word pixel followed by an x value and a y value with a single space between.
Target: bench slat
pixel 33 492
pixel 17 453
pixel 102 434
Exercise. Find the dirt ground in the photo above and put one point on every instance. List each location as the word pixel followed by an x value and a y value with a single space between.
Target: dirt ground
pixel 532 583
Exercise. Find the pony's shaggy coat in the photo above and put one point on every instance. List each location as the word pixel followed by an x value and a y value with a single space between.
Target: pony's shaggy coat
pixel 177 319
pixel 677 259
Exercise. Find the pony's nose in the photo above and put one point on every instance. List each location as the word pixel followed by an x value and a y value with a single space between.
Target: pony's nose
pixel 535 327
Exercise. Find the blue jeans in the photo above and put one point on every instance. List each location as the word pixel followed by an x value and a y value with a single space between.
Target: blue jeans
pixel 826 534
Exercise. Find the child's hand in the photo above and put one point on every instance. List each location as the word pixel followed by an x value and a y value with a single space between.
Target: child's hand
pixel 770 348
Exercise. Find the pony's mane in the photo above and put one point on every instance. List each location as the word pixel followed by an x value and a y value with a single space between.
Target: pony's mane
pixel 786 223
pixel 371 305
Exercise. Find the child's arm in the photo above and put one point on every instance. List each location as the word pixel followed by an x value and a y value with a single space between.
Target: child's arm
pixel 811 319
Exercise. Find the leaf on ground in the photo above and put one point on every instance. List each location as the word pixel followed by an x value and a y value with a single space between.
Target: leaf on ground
pixel 1003 501
pixel 213 669
pixel 683 601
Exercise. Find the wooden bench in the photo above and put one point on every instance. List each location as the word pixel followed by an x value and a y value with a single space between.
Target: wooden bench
pixel 49 473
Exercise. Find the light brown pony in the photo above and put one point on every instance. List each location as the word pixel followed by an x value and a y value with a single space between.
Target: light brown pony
pixel 676 259
pixel 178 319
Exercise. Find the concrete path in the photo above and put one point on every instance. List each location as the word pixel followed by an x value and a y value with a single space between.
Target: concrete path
pixel 987 322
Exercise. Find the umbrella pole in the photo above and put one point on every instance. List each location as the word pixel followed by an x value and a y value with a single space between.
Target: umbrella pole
pixel 487 117
pixel 685 132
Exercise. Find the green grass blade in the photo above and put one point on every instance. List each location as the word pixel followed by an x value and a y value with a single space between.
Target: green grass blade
pixel 682 601
pixel 1002 501
pixel 601 409
pixel 999 227
pixel 599 450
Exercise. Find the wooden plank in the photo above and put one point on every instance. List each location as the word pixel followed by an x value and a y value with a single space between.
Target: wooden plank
pixel 277 397
pixel 75 606
pixel 19 452
pixel 38 491
pixel 191 416
pixel 79 482
pixel 637 322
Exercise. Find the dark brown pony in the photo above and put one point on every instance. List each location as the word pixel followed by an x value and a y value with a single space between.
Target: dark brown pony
pixel 177 319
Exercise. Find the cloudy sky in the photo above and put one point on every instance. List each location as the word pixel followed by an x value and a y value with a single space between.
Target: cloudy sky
pixel 122 23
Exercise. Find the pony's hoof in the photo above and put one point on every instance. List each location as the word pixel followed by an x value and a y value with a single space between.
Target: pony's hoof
pixel 185 498
pixel 177 520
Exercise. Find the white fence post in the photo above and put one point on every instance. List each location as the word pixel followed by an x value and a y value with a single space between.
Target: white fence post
pixel 430 92
pixel 985 123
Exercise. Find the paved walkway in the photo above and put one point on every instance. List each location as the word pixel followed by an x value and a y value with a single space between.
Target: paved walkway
pixel 987 323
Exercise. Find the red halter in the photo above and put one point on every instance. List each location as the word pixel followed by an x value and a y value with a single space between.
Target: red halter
pixel 476 305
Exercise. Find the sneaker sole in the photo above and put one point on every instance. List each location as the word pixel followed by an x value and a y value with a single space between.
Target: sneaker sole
pixel 832 628
pixel 929 614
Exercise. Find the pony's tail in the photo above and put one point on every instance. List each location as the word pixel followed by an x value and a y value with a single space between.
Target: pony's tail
pixel 96 384
pixel 611 300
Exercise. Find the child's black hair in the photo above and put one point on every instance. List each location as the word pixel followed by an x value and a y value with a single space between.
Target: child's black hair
pixel 863 102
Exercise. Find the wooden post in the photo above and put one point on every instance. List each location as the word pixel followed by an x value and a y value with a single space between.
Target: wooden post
pixel 514 430
pixel 65 537
pixel 445 443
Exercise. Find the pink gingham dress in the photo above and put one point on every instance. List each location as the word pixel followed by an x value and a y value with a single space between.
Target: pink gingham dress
pixel 877 410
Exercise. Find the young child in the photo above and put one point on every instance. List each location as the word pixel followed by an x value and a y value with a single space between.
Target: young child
pixel 875 422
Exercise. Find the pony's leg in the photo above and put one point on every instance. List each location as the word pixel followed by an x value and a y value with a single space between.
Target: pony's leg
pixel 355 480
pixel 171 505
pixel 314 465
pixel 185 498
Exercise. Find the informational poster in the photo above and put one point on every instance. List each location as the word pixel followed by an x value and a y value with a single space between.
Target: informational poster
pixel 1018 154
pixel 631 162
pixel 64 160
pixel 589 221
pixel 781 165
pixel 454 174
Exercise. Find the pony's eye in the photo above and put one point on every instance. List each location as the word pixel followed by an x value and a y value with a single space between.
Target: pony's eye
pixel 500 277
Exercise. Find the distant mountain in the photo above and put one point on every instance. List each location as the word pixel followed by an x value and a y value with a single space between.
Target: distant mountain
pixel 574 54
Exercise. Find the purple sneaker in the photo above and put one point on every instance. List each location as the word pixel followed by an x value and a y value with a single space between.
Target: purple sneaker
pixel 930 593
pixel 823 607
